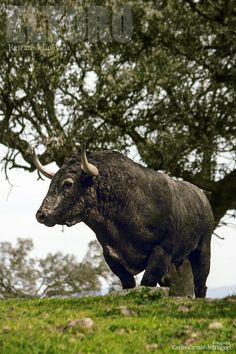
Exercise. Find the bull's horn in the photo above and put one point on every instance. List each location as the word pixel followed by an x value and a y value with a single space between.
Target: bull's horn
pixel 87 167
pixel 41 168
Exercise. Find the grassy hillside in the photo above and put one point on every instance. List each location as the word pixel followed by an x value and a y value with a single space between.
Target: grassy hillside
pixel 136 323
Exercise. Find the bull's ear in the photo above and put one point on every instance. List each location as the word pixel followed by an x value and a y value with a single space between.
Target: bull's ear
pixel 87 167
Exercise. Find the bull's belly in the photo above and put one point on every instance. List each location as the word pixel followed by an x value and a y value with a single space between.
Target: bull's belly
pixel 133 266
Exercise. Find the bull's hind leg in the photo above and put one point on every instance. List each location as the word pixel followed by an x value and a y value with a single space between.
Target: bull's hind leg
pixel 180 279
pixel 127 279
pixel 200 262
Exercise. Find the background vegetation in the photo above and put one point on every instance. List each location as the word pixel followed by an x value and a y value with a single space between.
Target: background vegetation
pixel 22 276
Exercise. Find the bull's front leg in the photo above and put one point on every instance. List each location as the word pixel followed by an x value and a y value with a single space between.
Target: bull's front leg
pixel 127 279
pixel 158 265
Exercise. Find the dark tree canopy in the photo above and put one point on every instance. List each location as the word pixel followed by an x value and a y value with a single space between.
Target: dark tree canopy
pixel 167 87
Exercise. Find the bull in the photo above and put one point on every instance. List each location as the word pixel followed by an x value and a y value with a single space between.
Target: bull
pixel 143 219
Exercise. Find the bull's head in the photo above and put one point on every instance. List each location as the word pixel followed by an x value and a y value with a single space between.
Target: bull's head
pixel 70 187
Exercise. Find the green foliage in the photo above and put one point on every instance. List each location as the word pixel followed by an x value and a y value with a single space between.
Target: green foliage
pixel 157 325
pixel 169 91
pixel 63 275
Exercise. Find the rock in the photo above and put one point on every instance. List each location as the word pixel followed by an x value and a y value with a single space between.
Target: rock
pixel 6 329
pixel 215 325
pixel 164 291
pixel 193 336
pixel 125 311
pixel 184 308
pixel 141 291
pixel 183 299
pixel 84 323
pixel 44 315
pixel 151 346
pixel 189 341
pixel 231 298
pixel 121 331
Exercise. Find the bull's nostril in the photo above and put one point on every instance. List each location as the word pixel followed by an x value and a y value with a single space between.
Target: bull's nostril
pixel 45 217
pixel 40 217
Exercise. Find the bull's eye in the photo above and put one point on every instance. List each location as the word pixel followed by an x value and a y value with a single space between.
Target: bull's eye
pixel 67 183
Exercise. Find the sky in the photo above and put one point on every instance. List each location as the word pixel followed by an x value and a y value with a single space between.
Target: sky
pixel 18 206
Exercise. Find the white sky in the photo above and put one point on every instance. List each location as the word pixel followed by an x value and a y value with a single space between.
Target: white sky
pixel 17 218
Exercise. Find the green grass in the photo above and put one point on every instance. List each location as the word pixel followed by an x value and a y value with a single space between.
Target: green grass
pixel 128 324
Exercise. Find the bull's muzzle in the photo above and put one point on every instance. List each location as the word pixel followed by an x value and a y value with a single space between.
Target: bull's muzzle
pixel 44 218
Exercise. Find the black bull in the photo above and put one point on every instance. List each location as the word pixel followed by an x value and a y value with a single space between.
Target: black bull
pixel 143 219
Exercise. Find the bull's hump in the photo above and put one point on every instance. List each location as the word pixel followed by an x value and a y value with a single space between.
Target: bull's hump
pixel 108 155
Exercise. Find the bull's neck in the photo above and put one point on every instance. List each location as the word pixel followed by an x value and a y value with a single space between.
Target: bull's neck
pixel 106 201
pixel 100 225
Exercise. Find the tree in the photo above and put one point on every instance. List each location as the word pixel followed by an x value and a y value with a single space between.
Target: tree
pixel 55 275
pixel 63 275
pixel 18 274
pixel 169 91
